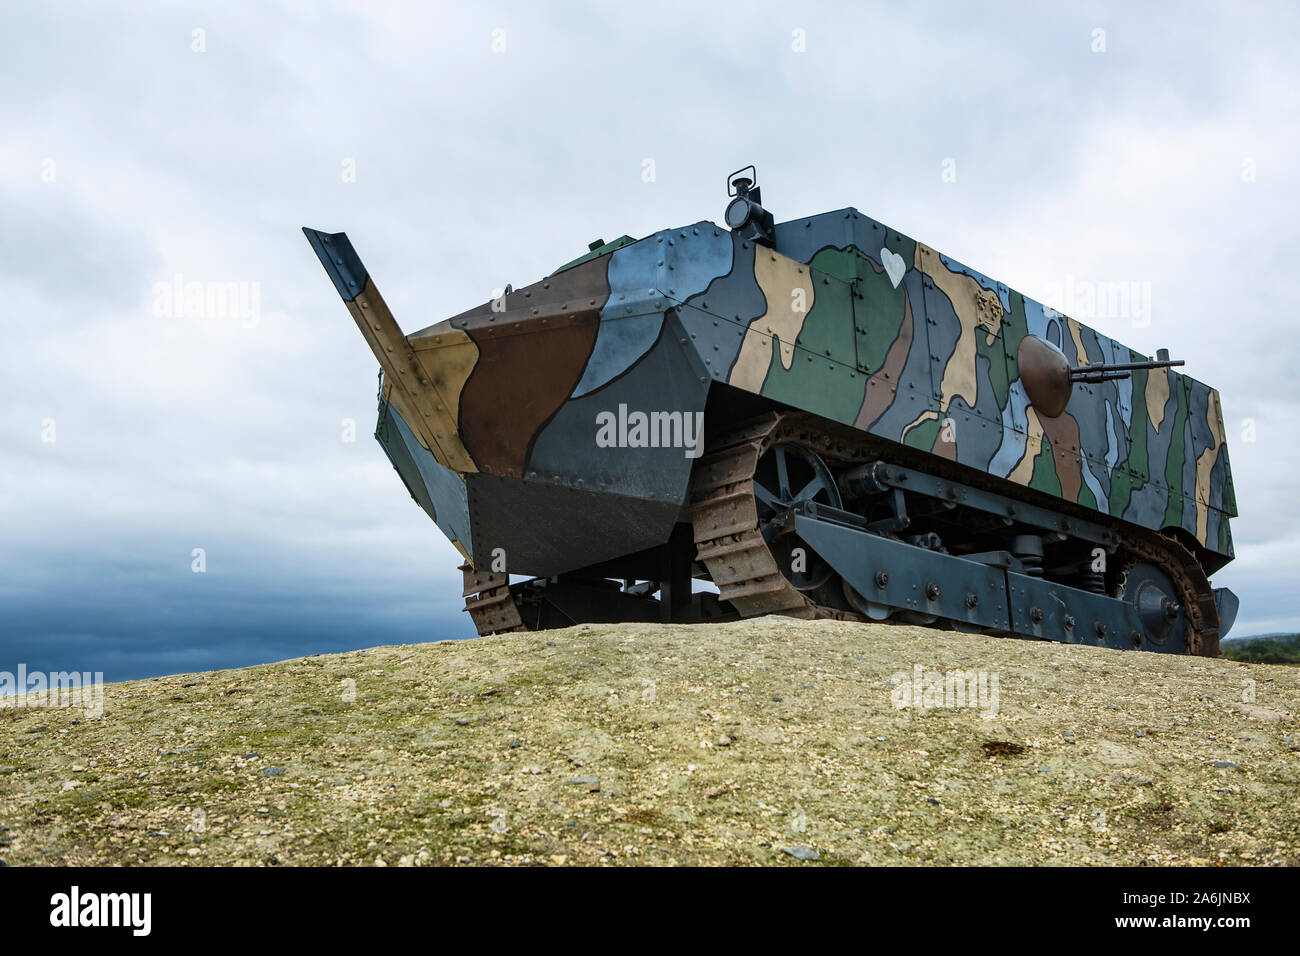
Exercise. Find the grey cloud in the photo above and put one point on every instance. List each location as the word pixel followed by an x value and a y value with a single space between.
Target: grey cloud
pixel 475 169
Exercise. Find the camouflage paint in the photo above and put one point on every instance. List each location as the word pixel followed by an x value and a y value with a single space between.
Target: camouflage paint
pixel 844 318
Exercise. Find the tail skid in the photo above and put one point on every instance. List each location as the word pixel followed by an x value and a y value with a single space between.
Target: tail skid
pixel 412 392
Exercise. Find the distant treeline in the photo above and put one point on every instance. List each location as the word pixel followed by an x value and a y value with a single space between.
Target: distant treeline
pixel 1271 649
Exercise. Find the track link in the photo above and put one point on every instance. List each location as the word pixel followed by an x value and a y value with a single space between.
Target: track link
pixel 724 515
pixel 489 602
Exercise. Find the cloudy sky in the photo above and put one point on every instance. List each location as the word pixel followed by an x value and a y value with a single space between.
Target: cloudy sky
pixel 463 146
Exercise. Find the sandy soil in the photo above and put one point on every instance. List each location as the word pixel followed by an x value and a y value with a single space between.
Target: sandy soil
pixel 761 742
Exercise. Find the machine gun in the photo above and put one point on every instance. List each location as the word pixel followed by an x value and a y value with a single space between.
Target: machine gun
pixel 1109 373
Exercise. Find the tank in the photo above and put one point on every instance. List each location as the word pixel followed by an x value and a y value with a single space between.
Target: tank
pixel 823 418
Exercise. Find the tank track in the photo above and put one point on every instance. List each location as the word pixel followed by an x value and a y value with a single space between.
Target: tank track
pixel 1187 575
pixel 489 602
pixel 724 514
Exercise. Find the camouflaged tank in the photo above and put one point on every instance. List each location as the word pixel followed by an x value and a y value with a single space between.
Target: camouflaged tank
pixel 824 418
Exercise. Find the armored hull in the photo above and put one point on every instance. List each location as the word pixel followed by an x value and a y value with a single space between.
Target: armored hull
pixel 823 417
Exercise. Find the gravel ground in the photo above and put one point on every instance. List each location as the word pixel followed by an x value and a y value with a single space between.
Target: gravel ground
pixel 768 741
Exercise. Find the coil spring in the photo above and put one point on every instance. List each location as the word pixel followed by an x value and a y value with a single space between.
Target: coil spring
pixel 1033 563
pixel 1094 581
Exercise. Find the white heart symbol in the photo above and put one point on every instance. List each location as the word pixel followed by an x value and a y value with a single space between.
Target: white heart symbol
pixel 894 265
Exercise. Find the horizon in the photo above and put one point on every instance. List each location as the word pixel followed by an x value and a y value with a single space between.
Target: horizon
pixel 190 483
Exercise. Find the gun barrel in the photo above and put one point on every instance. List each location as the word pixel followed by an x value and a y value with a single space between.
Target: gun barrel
pixel 1168 363
pixel 1109 373
pixel 1128 366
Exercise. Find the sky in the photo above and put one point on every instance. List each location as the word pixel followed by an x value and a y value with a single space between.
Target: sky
pixel 187 486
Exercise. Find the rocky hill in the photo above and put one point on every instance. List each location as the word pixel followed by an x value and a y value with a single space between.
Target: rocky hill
pixel 760 742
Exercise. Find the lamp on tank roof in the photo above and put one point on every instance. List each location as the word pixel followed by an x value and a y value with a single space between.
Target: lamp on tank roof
pixel 745 214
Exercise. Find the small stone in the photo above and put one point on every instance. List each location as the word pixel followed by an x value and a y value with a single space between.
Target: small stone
pixel 252 756
pixel 445 804
pixel 273 771
pixel 1227 763
pixel 461 721
pixel 514 745
pixel 591 783
pixel 801 853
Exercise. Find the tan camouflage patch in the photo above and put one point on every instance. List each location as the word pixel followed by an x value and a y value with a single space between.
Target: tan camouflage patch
pixel 1157 395
pixel 1214 417
pixel 1076 333
pixel 785 283
pixel 924 417
pixel 976 308
pixel 426 417
pixel 447 355
pixel 1204 465
pixel 1023 473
